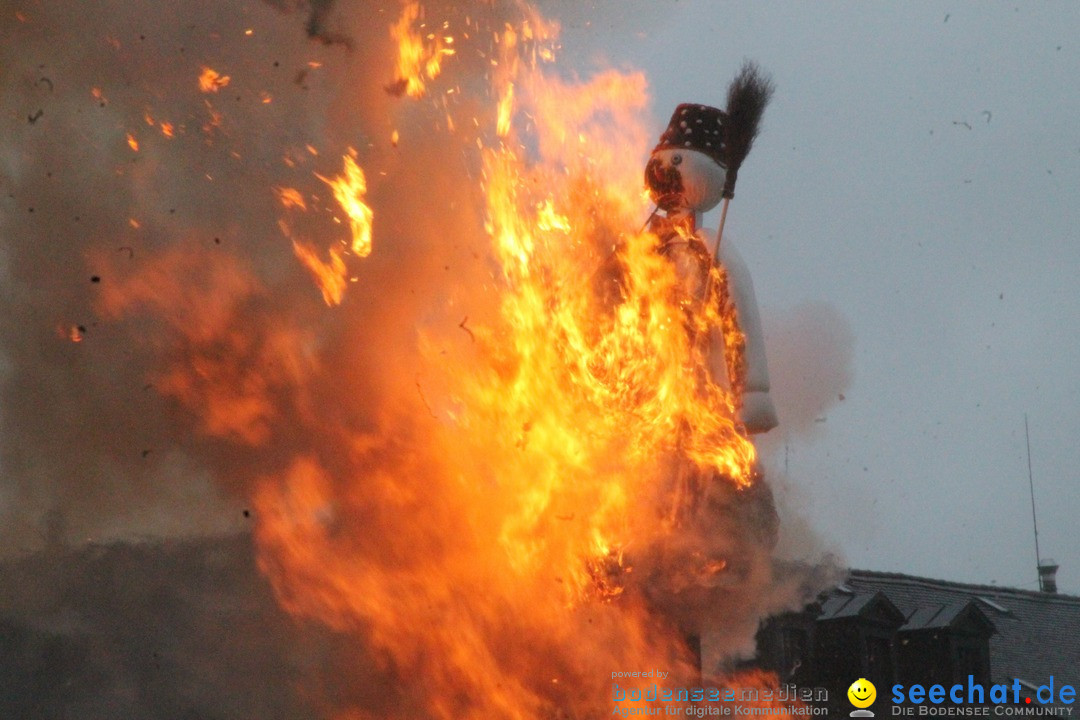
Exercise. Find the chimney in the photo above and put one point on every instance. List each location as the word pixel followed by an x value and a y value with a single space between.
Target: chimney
pixel 1048 575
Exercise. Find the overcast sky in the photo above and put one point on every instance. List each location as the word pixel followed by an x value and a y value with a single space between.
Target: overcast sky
pixel 919 174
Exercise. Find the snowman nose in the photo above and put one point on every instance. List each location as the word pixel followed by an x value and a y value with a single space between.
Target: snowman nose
pixel 661 178
pixel 654 169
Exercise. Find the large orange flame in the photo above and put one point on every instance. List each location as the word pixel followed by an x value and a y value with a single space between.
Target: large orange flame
pixel 523 502
pixel 569 452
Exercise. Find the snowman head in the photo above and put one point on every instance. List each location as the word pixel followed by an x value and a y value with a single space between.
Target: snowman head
pixel 687 168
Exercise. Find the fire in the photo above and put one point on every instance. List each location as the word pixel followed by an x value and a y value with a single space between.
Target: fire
pixel 210 80
pixel 214 120
pixel 506 108
pixel 329 276
pixel 419 57
pixel 167 128
pixel 291 198
pixel 206 308
pixel 509 507
pixel 572 444
pixel 349 189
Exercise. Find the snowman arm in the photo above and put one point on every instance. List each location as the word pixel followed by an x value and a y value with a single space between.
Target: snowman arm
pixel 757 411
pixel 741 287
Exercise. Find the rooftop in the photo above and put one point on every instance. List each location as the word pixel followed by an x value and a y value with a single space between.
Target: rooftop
pixel 1038 633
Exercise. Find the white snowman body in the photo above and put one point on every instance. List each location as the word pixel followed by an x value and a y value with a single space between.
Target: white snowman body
pixel 686 183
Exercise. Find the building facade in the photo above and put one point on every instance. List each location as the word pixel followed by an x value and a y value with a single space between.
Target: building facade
pixel 898 629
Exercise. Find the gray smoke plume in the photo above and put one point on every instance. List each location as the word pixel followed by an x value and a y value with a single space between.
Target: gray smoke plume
pixel 811 362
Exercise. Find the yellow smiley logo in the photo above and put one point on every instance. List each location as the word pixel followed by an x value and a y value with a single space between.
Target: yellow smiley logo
pixel 862 693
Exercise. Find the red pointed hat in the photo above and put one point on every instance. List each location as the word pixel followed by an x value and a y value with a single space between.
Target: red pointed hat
pixel 696 127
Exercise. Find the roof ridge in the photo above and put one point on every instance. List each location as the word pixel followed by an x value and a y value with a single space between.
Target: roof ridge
pixel 974 587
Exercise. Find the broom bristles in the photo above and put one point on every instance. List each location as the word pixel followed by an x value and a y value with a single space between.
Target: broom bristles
pixel 748 95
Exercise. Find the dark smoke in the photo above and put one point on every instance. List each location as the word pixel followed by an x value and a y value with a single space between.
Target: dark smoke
pixel 319 20
pixel 89 438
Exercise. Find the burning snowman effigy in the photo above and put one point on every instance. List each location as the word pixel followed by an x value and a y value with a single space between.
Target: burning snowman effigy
pixel 726 532
pixel 692 168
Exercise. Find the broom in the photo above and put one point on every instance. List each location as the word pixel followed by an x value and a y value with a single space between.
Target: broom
pixel 747 97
